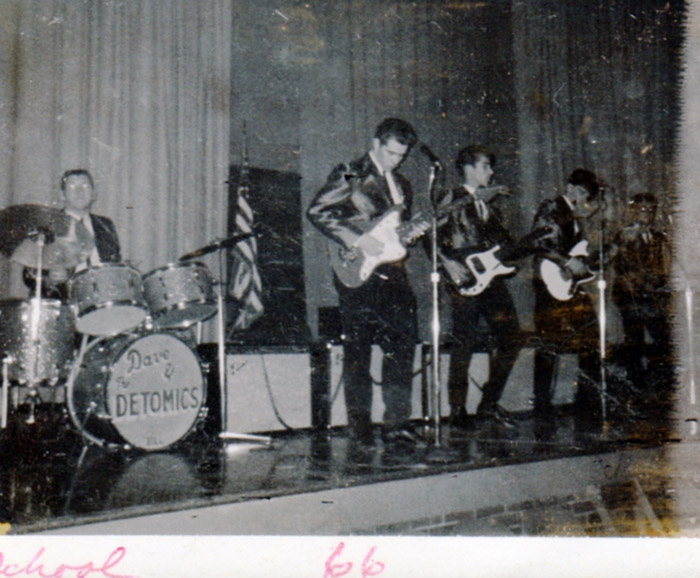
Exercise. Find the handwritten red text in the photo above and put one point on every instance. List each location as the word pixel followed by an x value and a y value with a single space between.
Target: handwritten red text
pixel 336 568
pixel 38 568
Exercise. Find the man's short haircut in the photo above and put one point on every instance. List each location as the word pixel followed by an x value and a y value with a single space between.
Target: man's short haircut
pixel 398 129
pixel 76 173
pixel 644 199
pixel 586 179
pixel 470 155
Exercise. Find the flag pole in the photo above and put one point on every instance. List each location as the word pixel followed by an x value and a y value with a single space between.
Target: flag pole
pixel 225 434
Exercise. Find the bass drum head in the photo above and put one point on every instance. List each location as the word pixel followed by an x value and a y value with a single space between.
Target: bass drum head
pixel 147 391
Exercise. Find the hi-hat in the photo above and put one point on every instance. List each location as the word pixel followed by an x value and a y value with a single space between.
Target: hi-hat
pixel 25 228
pixel 216 245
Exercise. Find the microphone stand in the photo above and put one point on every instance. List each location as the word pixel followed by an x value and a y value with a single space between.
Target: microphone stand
pixel 225 434
pixel 602 317
pixel 435 323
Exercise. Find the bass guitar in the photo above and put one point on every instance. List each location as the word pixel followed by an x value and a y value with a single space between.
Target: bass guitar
pixel 483 267
pixel 353 267
pixel 560 283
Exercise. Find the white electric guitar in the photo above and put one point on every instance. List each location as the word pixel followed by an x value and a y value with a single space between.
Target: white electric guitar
pixel 560 284
pixel 353 266
pixel 482 267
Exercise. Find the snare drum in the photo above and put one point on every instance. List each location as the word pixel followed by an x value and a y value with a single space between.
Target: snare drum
pixel 108 299
pixel 180 294
pixel 39 336
pixel 142 391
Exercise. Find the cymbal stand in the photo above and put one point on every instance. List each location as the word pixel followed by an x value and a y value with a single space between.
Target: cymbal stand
pixel 221 355
pixel 33 393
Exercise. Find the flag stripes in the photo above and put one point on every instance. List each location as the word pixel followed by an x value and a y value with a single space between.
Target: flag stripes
pixel 245 284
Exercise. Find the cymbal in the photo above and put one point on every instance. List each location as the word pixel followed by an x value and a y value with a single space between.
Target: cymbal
pixel 217 245
pixel 66 241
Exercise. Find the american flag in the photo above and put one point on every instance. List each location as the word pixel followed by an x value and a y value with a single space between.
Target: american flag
pixel 245 285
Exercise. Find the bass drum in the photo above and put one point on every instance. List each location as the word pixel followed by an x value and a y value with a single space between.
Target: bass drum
pixel 143 391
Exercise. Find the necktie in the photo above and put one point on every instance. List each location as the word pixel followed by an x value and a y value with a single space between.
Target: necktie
pixel 482 210
pixel 94 258
pixel 394 190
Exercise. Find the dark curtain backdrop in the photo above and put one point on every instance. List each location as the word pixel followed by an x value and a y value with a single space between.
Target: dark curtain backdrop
pixel 549 85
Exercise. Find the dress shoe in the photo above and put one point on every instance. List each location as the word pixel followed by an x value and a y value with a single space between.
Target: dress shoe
pixel 399 452
pixel 359 452
pixel 401 435
pixel 496 414
pixel 460 419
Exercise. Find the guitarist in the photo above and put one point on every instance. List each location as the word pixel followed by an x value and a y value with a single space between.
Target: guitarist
pixel 477 227
pixel 382 310
pixel 566 325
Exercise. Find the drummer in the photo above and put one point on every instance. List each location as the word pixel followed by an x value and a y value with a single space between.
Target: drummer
pixel 98 232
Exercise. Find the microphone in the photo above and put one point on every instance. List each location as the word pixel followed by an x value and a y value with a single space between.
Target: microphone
pixel 432 157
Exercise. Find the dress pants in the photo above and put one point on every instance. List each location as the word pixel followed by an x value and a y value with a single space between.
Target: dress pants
pixel 381 312
pixel 495 306
pixel 567 327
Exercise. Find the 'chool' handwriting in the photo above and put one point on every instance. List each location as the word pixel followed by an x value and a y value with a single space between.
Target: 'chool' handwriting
pixel 37 568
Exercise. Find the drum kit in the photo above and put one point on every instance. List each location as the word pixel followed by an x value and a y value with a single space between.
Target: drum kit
pixel 119 352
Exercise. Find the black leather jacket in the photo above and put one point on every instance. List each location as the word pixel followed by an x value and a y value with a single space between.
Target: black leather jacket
pixel 354 195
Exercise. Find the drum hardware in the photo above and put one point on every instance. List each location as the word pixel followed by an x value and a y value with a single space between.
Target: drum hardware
pixel 217 246
pixel 228 243
pixel 7 360
pixel 31 397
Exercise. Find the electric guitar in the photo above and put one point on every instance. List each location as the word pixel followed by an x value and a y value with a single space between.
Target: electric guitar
pixel 353 267
pixel 560 283
pixel 485 266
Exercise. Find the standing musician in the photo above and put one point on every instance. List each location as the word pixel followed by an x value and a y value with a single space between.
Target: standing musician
pixel 566 322
pixel 642 293
pixel 78 192
pixel 382 309
pixel 468 231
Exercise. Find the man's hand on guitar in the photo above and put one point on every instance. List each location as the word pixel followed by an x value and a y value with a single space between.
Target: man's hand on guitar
pixel 574 268
pixel 369 245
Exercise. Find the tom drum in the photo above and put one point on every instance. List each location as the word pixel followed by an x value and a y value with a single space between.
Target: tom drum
pixel 108 299
pixel 180 295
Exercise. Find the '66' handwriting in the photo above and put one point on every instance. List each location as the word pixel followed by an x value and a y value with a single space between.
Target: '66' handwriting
pixel 335 568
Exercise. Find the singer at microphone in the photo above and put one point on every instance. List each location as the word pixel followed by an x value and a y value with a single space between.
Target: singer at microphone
pixel 432 157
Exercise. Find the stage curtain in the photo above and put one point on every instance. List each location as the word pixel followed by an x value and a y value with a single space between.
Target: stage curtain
pixel 136 92
pixel 597 87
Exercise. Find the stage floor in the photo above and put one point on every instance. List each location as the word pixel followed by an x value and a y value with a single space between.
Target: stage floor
pixel 53 481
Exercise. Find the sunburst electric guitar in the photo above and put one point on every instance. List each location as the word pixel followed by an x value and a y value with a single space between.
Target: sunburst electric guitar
pixel 353 267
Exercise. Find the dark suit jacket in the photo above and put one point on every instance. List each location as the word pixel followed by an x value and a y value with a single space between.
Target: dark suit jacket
pixel 108 248
pixel 106 239
pixel 642 269
pixel 464 233
pixel 354 195
pixel 559 217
